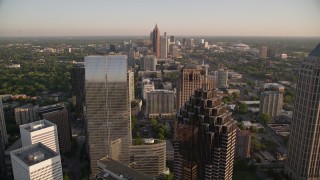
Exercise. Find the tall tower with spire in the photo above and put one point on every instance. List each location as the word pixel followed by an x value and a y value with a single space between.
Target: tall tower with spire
pixel 155 40
pixel 303 160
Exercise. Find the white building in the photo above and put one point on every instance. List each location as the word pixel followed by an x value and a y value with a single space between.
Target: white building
pixel 40 131
pixel 147 86
pixel 36 162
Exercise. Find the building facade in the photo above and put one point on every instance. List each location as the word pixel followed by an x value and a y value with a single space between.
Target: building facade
pixel 243 144
pixel 36 162
pixel 77 82
pixel 147 86
pixel 303 160
pixel 149 158
pixel 155 40
pixel 164 46
pixel 26 114
pixel 2 160
pixel 3 129
pixel 58 114
pixel 204 138
pixel 149 63
pixel 108 109
pixel 222 78
pixel 271 102
pixel 131 85
pixel 263 52
pixel 160 102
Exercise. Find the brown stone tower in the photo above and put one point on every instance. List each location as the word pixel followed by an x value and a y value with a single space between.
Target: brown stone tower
pixel 155 40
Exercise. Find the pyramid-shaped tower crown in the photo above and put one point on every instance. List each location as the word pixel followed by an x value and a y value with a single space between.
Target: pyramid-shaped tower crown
pixel 315 51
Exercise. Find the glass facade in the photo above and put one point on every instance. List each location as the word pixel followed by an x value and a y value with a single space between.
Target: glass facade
pixel 108 108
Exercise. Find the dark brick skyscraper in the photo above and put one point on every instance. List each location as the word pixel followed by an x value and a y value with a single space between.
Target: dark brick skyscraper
pixel 155 40
pixel 77 80
pixel 204 138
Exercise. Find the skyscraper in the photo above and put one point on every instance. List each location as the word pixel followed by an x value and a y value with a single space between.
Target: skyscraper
pixel 263 51
pixel 303 160
pixel 58 115
pixel 40 131
pixel 36 161
pixel 108 108
pixel 160 102
pixel 164 46
pixel 131 85
pixel 77 80
pixel 271 102
pixel 222 78
pixel 155 39
pixel 26 114
pixel 204 139
pixel 3 129
pixel 2 160
pixel 150 63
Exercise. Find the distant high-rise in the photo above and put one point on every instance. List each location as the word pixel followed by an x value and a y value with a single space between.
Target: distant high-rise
pixel 204 138
pixel 164 46
pixel 243 144
pixel 147 86
pixel 26 114
pixel 222 78
pixel 303 160
pixel 191 78
pixel 155 39
pixel 108 109
pixel 150 63
pixel 271 52
pixel 131 85
pixel 3 129
pixel 172 39
pixel 36 161
pixel 40 131
pixel 263 52
pixel 58 114
pixel 77 82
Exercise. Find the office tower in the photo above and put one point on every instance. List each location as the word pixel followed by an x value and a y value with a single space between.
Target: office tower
pixel 147 86
pixel 303 160
pixel 2 160
pixel 191 78
pixel 111 169
pixel 40 131
pixel 112 48
pixel 77 82
pixel 172 40
pixel 160 102
pixel 271 52
pixel 36 161
pixel 108 109
pixel 131 85
pixel 176 52
pixel 26 114
pixel 155 39
pixel 149 157
pixel 164 46
pixel 263 52
pixel 58 115
pixel 150 63
pixel 3 129
pixel 222 78
pixel 271 102
pixel 243 144
pixel 204 139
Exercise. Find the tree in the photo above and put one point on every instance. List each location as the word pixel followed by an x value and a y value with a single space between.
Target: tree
pixel 253 129
pixel 235 95
pixel 154 123
pixel 169 176
pixel 241 126
pixel 241 108
pixel 265 118
pixel 66 177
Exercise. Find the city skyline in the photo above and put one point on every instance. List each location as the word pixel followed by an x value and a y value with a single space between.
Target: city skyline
pixel 218 18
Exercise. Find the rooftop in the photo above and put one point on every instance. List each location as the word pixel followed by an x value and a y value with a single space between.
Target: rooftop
pixel 34 126
pixel 118 169
pixel 34 154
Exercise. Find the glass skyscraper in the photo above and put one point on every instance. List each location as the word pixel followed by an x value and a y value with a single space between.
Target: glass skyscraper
pixel 108 108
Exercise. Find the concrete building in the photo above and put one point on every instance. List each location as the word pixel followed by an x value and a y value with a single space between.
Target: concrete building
pixel 149 157
pixel 58 114
pixel 164 46
pixel 3 129
pixel 2 160
pixel 263 52
pixel 131 85
pixel 176 52
pixel 243 144
pixel 77 84
pixel 36 162
pixel 111 169
pixel 271 102
pixel 303 160
pixel 155 40
pixel 222 78
pixel 26 114
pixel 192 78
pixel 204 139
pixel 147 86
pixel 40 131
pixel 160 102
pixel 108 109
pixel 149 63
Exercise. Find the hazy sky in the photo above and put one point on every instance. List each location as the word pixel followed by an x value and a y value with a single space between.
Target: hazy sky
pixel 176 17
